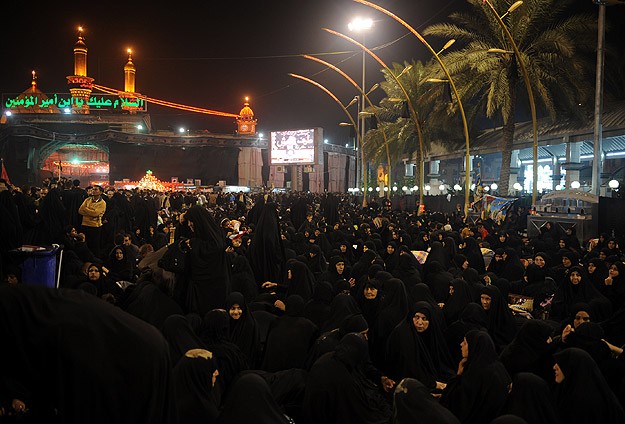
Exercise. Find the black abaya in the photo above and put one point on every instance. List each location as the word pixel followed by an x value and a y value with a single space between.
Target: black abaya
pixel 479 393
pixel 413 403
pixel 83 357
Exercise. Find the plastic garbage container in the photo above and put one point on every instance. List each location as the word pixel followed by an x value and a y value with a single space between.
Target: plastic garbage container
pixel 39 265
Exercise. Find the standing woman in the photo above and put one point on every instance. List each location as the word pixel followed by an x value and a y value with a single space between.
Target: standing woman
pixel 209 273
pixel 582 395
pixel 477 394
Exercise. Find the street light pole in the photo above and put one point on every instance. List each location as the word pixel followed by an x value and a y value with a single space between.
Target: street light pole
pixel 366 97
pixel 329 93
pixel 362 25
pixel 411 107
pixel 598 130
pixel 453 87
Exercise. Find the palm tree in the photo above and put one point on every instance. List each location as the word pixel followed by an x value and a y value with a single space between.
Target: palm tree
pixel 553 46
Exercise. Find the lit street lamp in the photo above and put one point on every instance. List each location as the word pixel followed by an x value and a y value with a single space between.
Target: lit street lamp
pixel 413 112
pixel 453 87
pixel 361 25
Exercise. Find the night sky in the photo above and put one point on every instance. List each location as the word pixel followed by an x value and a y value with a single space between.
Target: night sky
pixel 212 54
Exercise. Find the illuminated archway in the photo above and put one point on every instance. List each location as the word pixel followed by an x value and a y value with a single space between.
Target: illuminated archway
pixel 88 162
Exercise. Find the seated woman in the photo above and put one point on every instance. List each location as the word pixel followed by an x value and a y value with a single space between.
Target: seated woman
pixel 337 391
pixel 413 403
pixel 581 394
pixel 477 394
pixel 120 266
pixel 194 377
pixel 417 349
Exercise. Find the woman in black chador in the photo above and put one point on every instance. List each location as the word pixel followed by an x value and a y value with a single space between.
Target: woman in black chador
pixel 209 273
pixel 478 392
pixel 581 394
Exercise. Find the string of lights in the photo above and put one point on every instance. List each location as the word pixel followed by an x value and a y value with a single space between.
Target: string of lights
pixel 165 103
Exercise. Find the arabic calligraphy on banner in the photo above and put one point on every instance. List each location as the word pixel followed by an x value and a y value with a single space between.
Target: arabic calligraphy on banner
pixel 62 101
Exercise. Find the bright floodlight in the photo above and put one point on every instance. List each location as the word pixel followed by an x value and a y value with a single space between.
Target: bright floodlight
pixel 260 135
pixel 67 110
pixel 181 130
pixel 415 188
pixel 517 186
pixel 385 188
pixel 8 113
pixel 457 187
pixel 325 141
pixel 360 24
pixel 371 188
pixel 394 188
pixel 575 184
pixel 139 127
pixel 441 187
pixel 472 186
pixel 486 188
pixel 613 184
pixel 404 188
pixel 377 189
pixel 427 187
pixel 494 186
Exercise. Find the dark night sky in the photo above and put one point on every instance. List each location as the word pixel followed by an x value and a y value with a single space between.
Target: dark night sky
pixel 199 54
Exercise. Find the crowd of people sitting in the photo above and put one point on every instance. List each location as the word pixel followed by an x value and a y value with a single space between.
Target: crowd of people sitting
pixel 185 307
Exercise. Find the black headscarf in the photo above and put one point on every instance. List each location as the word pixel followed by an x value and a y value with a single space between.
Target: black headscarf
pixel 530 350
pixel 392 310
pixel 244 331
pixel 266 253
pixel 478 395
pixel 336 391
pixel 423 356
pixel 568 294
pixel 584 396
pixel 342 306
pixel 318 308
pixel 501 324
pixel 251 401
pixel 457 301
pixel 195 399
pixel 438 279
pixel 414 403
pixel 243 279
pixel 531 399
pixel 209 271
pixel 290 338
pixel 180 336
pixel 85 358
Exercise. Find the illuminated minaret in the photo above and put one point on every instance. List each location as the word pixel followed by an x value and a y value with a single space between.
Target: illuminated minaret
pixel 80 85
pixel 246 123
pixel 131 100
pixel 33 83
pixel 129 74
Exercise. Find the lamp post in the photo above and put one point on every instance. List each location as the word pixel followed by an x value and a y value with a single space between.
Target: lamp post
pixel 351 120
pixel 361 25
pixel 413 112
pixel 453 87
pixel 365 96
pixel 528 86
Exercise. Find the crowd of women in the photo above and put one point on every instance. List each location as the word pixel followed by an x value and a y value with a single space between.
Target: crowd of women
pixel 311 309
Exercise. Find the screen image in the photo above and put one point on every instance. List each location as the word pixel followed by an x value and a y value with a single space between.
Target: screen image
pixel 293 147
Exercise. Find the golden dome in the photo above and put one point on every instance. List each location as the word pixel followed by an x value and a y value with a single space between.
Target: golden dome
pixel 247 111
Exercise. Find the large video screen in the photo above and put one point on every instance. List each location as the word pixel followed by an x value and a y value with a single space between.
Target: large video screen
pixel 293 147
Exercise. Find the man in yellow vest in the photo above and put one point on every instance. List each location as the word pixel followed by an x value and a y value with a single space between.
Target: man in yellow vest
pixel 92 210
